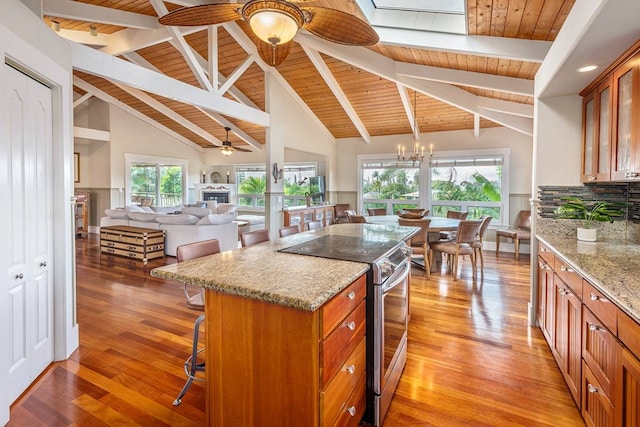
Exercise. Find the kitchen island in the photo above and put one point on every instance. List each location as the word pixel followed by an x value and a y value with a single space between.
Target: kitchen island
pixel 285 333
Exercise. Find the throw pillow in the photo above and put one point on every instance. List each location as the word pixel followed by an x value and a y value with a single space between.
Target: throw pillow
pixel 147 209
pixel 224 208
pixel 133 208
pixel 199 212
pixel 216 219
pixel 183 219
pixel 213 205
pixel 167 209
pixel 196 205
pixel 117 213
pixel 143 216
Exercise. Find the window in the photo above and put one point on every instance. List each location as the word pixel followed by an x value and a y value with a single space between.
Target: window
pixel 467 183
pixel 476 181
pixel 389 184
pixel 155 181
pixel 252 184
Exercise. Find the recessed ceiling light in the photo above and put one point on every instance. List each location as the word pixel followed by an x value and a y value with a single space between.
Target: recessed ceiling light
pixel 587 68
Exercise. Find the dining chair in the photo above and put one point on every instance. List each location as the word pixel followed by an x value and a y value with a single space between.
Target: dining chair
pixel 424 212
pixel 314 225
pixel 376 211
pixel 357 219
pixel 349 213
pixel 451 235
pixel 465 236
pixel 253 237
pixel 419 243
pixel 477 244
pixel 289 230
pixel 521 232
pixel 192 366
pixel 341 216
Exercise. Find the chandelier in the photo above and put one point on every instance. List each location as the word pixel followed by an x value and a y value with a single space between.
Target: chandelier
pixel 418 151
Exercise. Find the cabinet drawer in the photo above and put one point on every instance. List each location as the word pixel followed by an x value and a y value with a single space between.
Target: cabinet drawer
pixel 351 413
pixel 335 396
pixel 569 276
pixel 629 332
pixel 546 254
pixel 599 351
pixel 600 305
pixel 597 409
pixel 335 310
pixel 341 342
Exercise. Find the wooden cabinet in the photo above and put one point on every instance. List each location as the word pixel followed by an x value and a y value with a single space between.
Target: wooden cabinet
pixel 626 146
pixel 82 214
pixel 283 366
pixel 599 351
pixel 627 389
pixel 596 133
pixel 546 299
pixel 597 409
pixel 302 216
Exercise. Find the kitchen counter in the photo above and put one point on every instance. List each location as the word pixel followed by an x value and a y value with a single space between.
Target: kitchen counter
pixel 261 272
pixel 613 267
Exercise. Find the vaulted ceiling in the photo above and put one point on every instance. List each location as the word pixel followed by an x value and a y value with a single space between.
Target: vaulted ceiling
pixel 449 81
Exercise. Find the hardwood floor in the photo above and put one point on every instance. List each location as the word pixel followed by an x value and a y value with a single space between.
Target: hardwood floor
pixel 473 360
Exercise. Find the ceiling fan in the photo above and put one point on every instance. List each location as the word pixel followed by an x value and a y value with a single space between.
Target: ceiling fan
pixel 276 22
pixel 227 148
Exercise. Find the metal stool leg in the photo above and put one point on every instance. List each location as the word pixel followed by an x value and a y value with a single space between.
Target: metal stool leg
pixel 191 365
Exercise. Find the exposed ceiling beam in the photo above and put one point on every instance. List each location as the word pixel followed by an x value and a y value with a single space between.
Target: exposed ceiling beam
pixel 406 103
pixel 218 118
pixel 84 37
pixel 236 74
pixel 507 107
pixel 384 67
pixel 476 125
pixel 245 42
pixel 115 69
pixel 163 109
pixel 130 40
pixel 81 100
pixel 493 47
pixel 337 91
pixel 466 78
pixel 184 48
pixel 88 133
pixel 87 87
pixel 212 65
pixel 104 15
pixel 186 3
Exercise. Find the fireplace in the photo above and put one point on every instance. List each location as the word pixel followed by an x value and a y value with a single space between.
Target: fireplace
pixel 219 196
pixel 222 193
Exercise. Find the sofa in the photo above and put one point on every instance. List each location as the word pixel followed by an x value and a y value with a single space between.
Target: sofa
pixel 182 224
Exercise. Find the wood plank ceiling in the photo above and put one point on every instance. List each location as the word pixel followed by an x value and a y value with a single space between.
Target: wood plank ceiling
pixel 376 100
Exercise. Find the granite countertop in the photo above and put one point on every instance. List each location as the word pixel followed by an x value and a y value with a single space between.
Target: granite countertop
pixel 611 266
pixel 262 273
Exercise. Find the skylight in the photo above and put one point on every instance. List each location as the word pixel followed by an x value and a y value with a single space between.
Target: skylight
pixel 445 16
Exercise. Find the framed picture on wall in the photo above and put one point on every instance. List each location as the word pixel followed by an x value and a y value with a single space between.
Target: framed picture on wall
pixel 76 167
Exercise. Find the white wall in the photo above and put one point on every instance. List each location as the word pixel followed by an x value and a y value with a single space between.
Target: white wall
pixel 500 137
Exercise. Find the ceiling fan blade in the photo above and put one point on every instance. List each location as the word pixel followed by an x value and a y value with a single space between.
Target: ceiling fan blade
pixel 242 149
pixel 273 55
pixel 340 27
pixel 207 14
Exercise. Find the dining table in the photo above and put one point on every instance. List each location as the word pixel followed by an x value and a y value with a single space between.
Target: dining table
pixel 436 225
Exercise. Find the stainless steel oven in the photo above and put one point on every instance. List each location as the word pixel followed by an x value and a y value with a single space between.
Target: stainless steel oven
pixel 390 320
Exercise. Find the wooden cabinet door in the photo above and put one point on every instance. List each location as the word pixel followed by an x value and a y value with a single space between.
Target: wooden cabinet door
pixel 546 300
pixel 597 409
pixel 625 150
pixel 568 336
pixel 596 133
pixel 627 389
pixel 599 351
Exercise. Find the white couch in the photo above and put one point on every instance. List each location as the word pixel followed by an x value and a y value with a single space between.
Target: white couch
pixel 192 224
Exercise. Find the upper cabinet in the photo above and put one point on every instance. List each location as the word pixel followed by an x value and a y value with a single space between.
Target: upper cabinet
pixel 611 122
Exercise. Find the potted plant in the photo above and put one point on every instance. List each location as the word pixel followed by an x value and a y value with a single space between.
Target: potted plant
pixel 576 208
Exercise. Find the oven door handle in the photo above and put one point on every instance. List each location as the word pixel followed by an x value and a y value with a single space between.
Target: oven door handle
pixel 397 277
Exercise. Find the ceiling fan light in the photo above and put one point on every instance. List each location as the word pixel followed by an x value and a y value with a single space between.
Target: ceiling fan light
pixel 275 22
pixel 226 151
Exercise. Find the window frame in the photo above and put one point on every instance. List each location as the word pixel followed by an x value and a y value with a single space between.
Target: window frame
pixel 425 176
pixel 131 159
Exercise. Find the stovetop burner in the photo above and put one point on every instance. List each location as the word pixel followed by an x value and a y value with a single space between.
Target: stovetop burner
pixel 348 248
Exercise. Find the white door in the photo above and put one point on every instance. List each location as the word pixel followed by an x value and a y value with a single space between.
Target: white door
pixel 30 229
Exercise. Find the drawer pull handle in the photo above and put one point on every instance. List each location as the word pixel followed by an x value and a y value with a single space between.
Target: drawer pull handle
pixel 351 295
pixel 595 297
pixel 351 369
pixel 567 269
pixel 19 276
pixel 544 250
pixel 565 291
pixel 595 328
pixel 43 264
pixel 352 411
pixel 351 326
pixel 592 389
